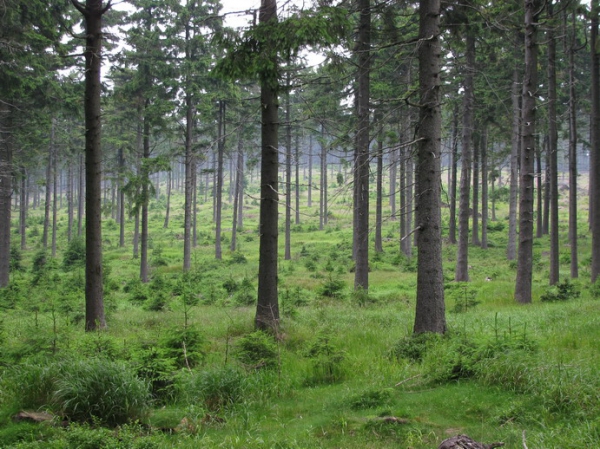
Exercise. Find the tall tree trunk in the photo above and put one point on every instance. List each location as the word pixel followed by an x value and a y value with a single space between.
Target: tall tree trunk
pixel 6 188
pixel 219 190
pixel 572 152
pixel 80 196
pixel 462 257
pixel 188 185
pixel 48 185
pixel 310 170
pixel 484 187
pixel 121 160
pixel 453 180
pixel 288 172
pixel 476 155
pixel 145 198
pixel 530 88
pixel 94 302
pixel 511 248
pixel 404 220
pixel 595 144
pixel 539 194
pixel 361 227
pixel 379 200
pixel 267 308
pixel 69 201
pixel 323 190
pixel 24 204
pixel 239 186
pixel 430 310
pixel 297 177
pixel 169 181
pixel 547 191
pixel 393 182
pixel 54 203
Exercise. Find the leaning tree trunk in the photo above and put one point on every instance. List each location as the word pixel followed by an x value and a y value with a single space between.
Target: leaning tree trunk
pixel 430 311
pixel 530 88
pixel 94 302
pixel 267 307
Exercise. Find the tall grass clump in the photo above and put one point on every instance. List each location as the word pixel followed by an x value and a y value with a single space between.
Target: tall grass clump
pixel 100 390
pixel 217 388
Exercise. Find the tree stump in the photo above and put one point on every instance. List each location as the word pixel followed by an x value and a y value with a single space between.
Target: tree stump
pixel 465 442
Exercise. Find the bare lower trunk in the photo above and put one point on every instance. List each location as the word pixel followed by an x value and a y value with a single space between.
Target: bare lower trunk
pixel 573 154
pixel 511 248
pixel 6 169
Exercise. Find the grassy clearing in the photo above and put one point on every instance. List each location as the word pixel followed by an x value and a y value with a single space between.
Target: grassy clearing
pixel 345 372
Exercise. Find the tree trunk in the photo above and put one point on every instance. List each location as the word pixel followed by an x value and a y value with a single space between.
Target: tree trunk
pixel 267 308
pixel 24 203
pixel 511 247
pixel 379 204
pixel 595 145
pixel 323 192
pixel 484 187
pixel 145 198
pixel 54 203
pixel 237 204
pixel 121 160
pixel 288 172
pixel 69 201
pixel 219 183
pixel 80 196
pixel 94 302
pixel 169 180
pixel 572 152
pixel 393 181
pixel 530 88
pixel 48 186
pixel 6 172
pixel 310 170
pixel 361 226
pixel 430 310
pixel 453 180
pixel 462 257
pixel 188 185
pixel 476 155
pixel 297 177
pixel 539 229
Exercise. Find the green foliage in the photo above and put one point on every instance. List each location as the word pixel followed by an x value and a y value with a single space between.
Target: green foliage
pixel 15 259
pixel 414 346
pixel 185 346
pixel 326 362
pixel 463 295
pixel 100 390
pixel 217 389
pixel 155 366
pixel 563 291
pixel 372 398
pixel 257 350
pixel 332 287
pixel 74 254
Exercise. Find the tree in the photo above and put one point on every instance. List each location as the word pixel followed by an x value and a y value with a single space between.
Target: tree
pixel 361 177
pixel 430 311
pixel 267 308
pixel 529 92
pixel 93 11
pixel 595 144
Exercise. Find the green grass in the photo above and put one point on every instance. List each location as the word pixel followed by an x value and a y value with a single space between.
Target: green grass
pixel 503 368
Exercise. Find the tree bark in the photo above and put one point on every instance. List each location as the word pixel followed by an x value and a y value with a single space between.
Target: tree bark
pixel 237 203
pixel 430 310
pixel 572 152
pixel 288 171
pixel 267 308
pixel 6 169
pixel 24 204
pixel 167 212
pixel 188 185
pixel 145 197
pixel 379 201
pixel 453 180
pixel 48 192
pixel 94 302
pixel 361 226
pixel 530 89
pixel 511 247
pixel 484 187
pixel 595 146
pixel 476 155
pixel 462 256
pixel 219 181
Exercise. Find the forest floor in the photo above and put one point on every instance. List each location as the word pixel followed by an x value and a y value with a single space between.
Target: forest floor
pixel 345 371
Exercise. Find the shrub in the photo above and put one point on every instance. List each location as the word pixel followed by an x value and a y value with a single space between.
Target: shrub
pixel 257 350
pixel 326 362
pixel 371 399
pixel 218 388
pixel 74 254
pixel 186 346
pixel 15 259
pixel 332 287
pixel 561 292
pixel 414 347
pixel 100 390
